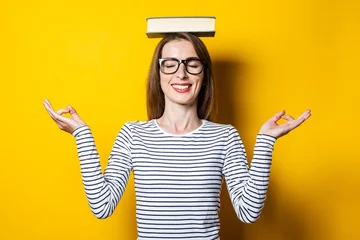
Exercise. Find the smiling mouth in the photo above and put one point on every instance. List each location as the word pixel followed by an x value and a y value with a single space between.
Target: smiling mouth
pixel 181 87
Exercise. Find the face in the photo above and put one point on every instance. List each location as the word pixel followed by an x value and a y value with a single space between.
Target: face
pixel 180 87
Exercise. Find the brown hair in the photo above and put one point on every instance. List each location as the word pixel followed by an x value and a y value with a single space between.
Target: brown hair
pixel 155 95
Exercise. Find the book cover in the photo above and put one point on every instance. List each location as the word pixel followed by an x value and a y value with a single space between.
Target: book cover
pixel 201 26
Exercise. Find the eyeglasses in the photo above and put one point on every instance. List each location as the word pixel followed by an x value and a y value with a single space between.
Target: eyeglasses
pixel 193 66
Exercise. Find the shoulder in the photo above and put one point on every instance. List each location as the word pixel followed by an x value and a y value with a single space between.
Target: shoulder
pixel 136 128
pixel 218 126
pixel 226 129
pixel 142 126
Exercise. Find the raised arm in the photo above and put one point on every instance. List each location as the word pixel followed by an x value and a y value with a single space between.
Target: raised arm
pixel 103 191
pixel 248 187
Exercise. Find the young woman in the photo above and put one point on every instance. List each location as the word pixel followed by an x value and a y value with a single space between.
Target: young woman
pixel 179 157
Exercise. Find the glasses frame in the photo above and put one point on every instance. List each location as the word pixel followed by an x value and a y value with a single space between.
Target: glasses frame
pixel 180 62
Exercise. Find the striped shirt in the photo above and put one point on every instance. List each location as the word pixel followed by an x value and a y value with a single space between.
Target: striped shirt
pixel 178 177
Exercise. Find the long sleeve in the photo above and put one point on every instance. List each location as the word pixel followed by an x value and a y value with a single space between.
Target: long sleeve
pixel 247 187
pixel 104 191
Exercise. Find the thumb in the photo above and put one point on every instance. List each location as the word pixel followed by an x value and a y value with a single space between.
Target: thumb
pixel 73 113
pixel 278 115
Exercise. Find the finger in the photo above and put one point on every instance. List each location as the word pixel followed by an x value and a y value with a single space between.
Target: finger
pixel 305 114
pixel 47 102
pixel 62 111
pixel 277 116
pixel 55 116
pixel 74 114
pixel 289 126
pixel 299 120
pixel 288 117
pixel 49 107
pixel 71 109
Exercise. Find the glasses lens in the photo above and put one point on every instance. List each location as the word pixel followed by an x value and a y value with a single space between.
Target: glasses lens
pixel 194 66
pixel 169 66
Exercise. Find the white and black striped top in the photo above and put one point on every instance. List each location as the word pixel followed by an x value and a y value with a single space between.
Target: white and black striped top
pixel 177 177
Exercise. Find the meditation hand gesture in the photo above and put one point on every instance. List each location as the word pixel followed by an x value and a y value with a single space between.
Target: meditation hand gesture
pixel 64 123
pixel 273 129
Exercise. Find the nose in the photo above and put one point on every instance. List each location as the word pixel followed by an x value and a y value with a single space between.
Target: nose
pixel 181 72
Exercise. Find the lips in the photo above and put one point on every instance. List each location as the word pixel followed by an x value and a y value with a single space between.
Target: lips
pixel 181 88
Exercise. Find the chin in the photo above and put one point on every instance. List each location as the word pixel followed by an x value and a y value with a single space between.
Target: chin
pixel 184 102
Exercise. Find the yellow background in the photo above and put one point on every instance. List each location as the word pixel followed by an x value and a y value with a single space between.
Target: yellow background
pixel 268 56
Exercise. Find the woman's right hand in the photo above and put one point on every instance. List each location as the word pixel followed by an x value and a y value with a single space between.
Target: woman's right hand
pixel 66 124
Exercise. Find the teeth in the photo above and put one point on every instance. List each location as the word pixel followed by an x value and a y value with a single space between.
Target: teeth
pixel 181 86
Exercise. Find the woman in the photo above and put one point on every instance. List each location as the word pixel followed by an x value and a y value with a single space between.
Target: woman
pixel 179 157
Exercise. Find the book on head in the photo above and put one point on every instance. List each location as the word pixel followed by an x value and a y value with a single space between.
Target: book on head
pixel 201 26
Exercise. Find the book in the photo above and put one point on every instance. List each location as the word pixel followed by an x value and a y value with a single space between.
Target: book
pixel 201 26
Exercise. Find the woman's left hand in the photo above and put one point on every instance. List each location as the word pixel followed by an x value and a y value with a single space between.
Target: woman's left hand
pixel 273 129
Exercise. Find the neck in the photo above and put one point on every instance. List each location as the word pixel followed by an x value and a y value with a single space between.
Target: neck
pixel 179 119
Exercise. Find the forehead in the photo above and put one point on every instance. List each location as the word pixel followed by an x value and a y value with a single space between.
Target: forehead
pixel 180 49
